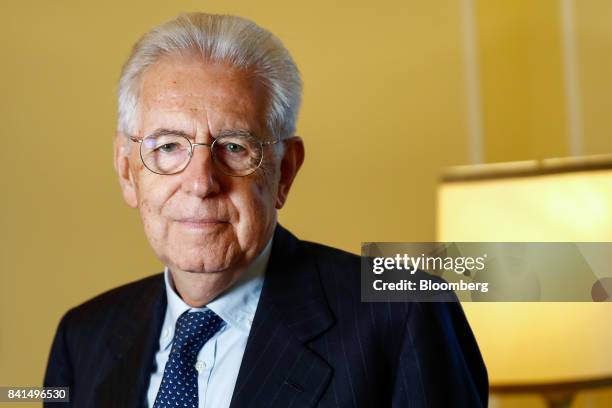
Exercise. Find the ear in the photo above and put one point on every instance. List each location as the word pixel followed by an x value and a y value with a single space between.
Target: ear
pixel 122 167
pixel 291 162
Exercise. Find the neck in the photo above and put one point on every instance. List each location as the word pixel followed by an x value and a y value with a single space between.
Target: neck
pixel 199 289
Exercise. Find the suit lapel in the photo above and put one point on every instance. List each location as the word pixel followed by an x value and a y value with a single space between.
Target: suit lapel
pixel 278 369
pixel 132 344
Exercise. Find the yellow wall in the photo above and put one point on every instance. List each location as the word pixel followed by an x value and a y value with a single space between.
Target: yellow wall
pixel 594 46
pixel 384 110
pixel 521 66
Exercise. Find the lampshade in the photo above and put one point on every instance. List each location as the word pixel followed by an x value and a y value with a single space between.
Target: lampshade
pixel 567 200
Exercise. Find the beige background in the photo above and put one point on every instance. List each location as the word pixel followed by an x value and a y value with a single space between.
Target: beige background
pixel 385 109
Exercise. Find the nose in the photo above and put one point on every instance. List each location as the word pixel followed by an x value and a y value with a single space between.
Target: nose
pixel 200 177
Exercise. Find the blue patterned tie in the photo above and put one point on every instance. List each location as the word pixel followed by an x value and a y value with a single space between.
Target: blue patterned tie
pixel 179 386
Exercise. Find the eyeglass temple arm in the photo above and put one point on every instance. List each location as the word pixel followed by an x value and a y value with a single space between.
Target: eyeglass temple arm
pixel 270 142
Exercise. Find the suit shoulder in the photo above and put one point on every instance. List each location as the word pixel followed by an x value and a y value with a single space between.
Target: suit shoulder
pixel 339 270
pixel 114 301
pixel 335 258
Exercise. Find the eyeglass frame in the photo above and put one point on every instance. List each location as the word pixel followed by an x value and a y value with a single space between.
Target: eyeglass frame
pixel 210 147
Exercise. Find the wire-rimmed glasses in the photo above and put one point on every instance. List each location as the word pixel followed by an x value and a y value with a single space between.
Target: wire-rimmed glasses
pixel 236 154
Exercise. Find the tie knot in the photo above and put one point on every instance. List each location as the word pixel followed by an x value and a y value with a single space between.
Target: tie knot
pixel 194 329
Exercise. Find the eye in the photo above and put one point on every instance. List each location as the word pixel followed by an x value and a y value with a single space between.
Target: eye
pixel 168 147
pixel 233 147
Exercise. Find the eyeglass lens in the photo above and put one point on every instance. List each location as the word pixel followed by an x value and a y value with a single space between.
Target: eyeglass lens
pixel 235 155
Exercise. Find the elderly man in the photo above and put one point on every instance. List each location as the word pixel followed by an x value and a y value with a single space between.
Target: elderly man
pixel 245 314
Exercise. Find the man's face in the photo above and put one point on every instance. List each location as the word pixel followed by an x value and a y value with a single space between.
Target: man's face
pixel 201 220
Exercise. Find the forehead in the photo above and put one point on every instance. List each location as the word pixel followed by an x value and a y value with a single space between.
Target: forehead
pixel 189 91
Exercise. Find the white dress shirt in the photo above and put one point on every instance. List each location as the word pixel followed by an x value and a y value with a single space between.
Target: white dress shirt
pixel 218 361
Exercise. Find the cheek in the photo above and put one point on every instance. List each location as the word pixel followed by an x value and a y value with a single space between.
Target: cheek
pixel 149 212
pixel 255 205
pixel 154 228
pixel 151 199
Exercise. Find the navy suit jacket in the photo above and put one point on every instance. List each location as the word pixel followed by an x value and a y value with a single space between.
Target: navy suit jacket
pixel 313 343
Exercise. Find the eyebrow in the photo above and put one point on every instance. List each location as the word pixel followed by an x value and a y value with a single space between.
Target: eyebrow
pixel 165 132
pixel 235 132
pixel 226 132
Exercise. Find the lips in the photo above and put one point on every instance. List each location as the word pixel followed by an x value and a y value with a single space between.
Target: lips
pixel 200 224
pixel 195 220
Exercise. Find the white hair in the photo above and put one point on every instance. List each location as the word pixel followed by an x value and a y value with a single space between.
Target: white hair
pixel 218 38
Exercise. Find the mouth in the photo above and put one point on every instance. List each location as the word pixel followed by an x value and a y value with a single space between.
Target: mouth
pixel 202 223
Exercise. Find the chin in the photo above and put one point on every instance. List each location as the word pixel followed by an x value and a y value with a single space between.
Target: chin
pixel 190 265
pixel 199 261
pixel 201 270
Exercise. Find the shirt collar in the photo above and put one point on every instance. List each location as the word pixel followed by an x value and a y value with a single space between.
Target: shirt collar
pixel 236 306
